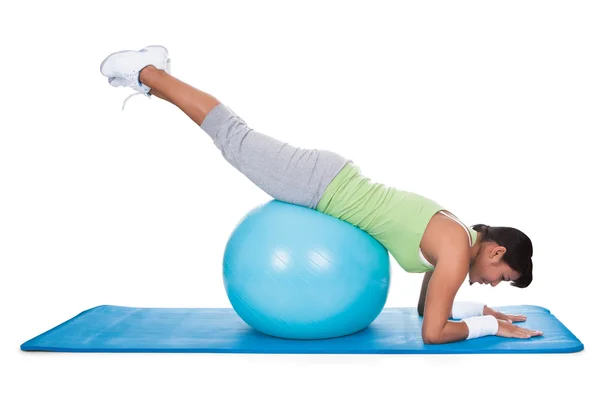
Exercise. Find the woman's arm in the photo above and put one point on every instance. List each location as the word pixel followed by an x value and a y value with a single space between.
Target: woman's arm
pixel 450 272
pixel 423 295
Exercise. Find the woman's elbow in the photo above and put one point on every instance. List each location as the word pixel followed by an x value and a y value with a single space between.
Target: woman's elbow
pixel 431 337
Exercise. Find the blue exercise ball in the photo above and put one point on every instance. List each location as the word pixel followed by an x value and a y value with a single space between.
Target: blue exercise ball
pixel 296 273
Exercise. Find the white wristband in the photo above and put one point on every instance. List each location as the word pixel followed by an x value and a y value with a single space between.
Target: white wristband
pixel 484 325
pixel 466 309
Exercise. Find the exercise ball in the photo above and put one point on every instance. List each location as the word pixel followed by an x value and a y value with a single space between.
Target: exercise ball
pixel 294 272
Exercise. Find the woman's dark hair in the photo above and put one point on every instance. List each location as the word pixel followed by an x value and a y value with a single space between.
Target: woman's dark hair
pixel 519 250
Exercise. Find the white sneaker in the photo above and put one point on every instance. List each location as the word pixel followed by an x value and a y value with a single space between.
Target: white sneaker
pixel 123 68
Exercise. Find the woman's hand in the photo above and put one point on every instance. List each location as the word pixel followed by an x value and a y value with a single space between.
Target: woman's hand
pixel 507 329
pixel 503 317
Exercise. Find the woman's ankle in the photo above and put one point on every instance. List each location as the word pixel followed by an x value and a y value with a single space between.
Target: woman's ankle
pixel 147 73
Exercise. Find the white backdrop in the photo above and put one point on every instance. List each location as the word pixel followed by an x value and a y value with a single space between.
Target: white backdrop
pixel 490 108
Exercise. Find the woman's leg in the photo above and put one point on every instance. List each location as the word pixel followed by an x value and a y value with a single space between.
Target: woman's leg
pixel 193 102
pixel 287 173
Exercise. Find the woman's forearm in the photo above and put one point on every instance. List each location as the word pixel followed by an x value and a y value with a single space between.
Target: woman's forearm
pixel 452 331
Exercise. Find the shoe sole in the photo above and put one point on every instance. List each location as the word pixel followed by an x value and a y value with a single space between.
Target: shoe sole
pixel 125 51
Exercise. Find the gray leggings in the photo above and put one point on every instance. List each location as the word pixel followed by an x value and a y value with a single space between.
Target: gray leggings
pixel 287 173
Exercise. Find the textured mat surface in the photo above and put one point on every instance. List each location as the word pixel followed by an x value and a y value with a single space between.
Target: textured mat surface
pixel 220 330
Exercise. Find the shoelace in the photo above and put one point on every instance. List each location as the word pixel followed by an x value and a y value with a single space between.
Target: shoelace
pixel 122 82
pixel 128 97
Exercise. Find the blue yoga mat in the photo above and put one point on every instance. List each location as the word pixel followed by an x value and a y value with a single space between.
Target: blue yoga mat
pixel 220 330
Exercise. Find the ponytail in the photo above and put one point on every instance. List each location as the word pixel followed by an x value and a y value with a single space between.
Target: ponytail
pixel 483 229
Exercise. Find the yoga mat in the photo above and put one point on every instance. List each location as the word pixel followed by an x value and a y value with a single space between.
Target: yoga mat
pixel 220 330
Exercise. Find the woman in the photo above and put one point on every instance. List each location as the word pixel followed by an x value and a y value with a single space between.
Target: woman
pixel 420 234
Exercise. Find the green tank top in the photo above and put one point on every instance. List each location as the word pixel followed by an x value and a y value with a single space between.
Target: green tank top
pixel 396 218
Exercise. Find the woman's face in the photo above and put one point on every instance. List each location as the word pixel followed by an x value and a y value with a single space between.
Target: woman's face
pixel 488 267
